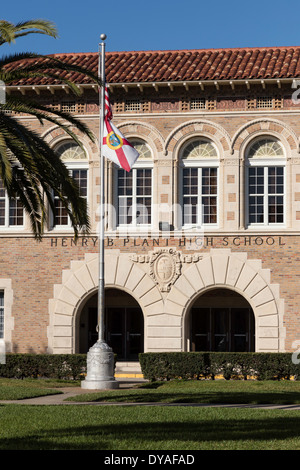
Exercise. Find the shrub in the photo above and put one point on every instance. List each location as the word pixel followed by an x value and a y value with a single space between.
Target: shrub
pixel 57 366
pixel 195 365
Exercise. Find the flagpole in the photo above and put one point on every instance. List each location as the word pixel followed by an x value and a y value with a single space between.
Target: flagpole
pixel 100 357
pixel 101 292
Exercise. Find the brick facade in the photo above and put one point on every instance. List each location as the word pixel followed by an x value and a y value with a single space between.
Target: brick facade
pixel 52 280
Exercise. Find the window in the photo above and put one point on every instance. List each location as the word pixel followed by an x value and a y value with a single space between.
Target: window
pixel 134 189
pixel 265 183
pixel 199 184
pixel 265 102
pixel 70 152
pixel 1 314
pixel 197 103
pixel 200 196
pixel 132 105
pixel 134 196
pixel 60 216
pixel 11 210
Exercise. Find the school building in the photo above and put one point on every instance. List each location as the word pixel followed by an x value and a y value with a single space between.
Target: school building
pixel 202 236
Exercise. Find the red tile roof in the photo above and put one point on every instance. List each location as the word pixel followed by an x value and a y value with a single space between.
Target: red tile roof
pixel 186 65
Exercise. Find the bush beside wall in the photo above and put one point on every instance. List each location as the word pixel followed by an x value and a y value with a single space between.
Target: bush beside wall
pixel 197 365
pixel 56 366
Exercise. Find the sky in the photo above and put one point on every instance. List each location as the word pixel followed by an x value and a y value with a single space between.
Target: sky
pixel 155 24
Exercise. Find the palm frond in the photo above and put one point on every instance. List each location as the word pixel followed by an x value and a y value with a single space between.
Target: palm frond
pixel 40 164
pixel 29 169
pixel 62 119
pixel 9 32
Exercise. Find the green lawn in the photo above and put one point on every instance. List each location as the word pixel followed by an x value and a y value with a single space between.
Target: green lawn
pixel 14 389
pixel 164 424
pixel 84 427
pixel 203 391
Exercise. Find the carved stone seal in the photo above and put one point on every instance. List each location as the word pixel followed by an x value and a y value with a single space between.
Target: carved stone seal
pixel 165 265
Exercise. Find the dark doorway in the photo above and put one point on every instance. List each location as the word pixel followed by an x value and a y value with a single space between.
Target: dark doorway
pixel 125 331
pixel 222 320
pixel 124 324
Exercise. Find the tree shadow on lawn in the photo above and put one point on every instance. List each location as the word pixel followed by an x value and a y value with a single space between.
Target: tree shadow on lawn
pixel 190 434
pixel 218 397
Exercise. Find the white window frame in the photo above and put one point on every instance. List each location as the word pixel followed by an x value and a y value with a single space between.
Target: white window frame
pixel 7 225
pixel 71 166
pixel 265 163
pixel 133 227
pixel 199 164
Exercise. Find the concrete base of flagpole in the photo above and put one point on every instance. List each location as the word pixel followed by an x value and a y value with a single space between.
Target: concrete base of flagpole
pixel 100 368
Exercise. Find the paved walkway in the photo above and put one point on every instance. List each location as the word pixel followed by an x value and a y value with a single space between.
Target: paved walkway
pixel 67 392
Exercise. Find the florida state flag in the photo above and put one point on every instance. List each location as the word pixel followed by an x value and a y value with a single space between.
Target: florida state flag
pixel 115 146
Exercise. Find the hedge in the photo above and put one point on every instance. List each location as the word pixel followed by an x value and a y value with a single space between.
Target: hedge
pixel 57 366
pixel 198 365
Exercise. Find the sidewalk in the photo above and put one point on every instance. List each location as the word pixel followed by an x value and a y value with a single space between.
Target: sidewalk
pixel 67 392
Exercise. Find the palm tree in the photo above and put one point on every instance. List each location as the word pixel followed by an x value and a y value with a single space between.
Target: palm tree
pixel 29 169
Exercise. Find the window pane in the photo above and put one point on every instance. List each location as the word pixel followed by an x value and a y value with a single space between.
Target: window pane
pixel 190 181
pixel 209 206
pixel 125 210
pixel 138 185
pixel 256 189
pixel 190 210
pixel 61 215
pixel 143 210
pixel 209 181
pixel 124 183
pixel 15 213
pixel 80 176
pixel 143 182
pixel 199 184
pixel 2 212
pixel 143 189
pixel 275 200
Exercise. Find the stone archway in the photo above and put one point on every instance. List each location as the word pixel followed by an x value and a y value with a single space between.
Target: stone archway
pixel 223 268
pixel 80 281
pixel 265 126
pixel 165 283
pixel 124 324
pixel 220 319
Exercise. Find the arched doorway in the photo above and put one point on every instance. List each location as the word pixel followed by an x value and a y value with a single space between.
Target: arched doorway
pixel 124 324
pixel 221 320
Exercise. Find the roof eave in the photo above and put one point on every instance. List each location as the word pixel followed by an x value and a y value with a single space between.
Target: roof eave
pixel 157 85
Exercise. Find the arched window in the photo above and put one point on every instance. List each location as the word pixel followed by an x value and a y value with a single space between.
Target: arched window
pixel 75 159
pixel 134 189
pixel 199 160
pixel 265 183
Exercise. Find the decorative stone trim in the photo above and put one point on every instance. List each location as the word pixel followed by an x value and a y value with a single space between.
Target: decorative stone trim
pixel 223 269
pixel 165 265
pixel 81 281
pixel 55 135
pixel 165 283
pixel 198 127
pixel 144 131
pixel 274 126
